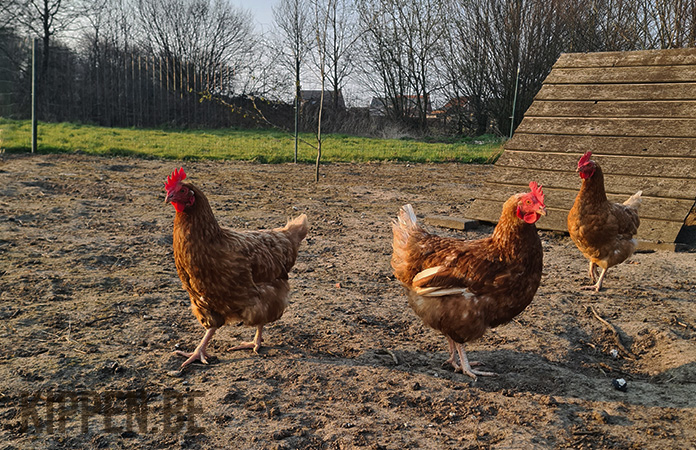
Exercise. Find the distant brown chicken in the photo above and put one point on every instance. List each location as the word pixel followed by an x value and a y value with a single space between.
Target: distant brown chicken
pixel 462 288
pixel 230 276
pixel 602 230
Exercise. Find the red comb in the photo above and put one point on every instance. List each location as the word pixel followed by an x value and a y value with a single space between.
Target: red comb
pixel 175 178
pixel 537 192
pixel 584 159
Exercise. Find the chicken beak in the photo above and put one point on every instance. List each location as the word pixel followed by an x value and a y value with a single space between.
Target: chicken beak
pixel 168 198
pixel 542 210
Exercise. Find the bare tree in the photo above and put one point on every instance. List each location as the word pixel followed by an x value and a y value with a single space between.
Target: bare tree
pixel 383 54
pixel 213 35
pixel 44 19
pixel 293 23
pixel 342 37
pixel 6 16
pixel 524 34
pixel 464 61
pixel 402 39
pixel 667 23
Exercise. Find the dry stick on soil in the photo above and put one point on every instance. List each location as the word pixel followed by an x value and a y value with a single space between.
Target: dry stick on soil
pixel 391 353
pixel 614 332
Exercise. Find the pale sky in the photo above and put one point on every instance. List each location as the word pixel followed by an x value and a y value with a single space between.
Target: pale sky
pixel 262 10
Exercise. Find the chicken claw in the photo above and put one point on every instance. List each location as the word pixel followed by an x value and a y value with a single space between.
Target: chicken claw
pixel 255 344
pixel 466 366
pixel 593 271
pixel 199 354
pixel 598 285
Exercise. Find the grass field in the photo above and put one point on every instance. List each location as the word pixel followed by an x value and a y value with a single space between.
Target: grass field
pixel 246 145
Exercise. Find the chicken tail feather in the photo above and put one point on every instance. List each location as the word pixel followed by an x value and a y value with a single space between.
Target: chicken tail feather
pixel 296 228
pixel 634 200
pixel 403 227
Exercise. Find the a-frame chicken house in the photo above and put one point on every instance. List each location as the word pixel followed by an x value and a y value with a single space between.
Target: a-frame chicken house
pixel 636 112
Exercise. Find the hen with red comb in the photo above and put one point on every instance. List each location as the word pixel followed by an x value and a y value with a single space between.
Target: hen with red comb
pixel 461 288
pixel 230 276
pixel 602 230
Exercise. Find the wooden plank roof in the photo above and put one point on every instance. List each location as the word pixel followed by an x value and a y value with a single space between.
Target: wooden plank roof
pixel 636 112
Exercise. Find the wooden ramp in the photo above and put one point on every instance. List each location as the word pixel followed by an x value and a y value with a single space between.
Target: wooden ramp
pixel 636 112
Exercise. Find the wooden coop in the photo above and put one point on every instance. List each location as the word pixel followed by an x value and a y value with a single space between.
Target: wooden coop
pixel 636 112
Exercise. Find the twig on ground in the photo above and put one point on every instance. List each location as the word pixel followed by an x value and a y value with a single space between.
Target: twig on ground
pixel 396 361
pixel 614 332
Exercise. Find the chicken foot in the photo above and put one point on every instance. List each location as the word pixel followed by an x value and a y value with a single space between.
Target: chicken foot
pixel 465 366
pixel 453 356
pixel 598 285
pixel 255 344
pixel 199 354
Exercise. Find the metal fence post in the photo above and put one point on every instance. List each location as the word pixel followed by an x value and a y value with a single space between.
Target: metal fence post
pixel 33 96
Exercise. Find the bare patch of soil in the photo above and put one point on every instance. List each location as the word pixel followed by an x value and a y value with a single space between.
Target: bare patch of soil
pixel 92 307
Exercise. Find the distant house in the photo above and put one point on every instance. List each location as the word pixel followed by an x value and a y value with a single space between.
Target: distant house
pixel 313 97
pixel 379 106
pixel 457 106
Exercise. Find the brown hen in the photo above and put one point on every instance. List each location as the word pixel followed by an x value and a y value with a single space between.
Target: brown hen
pixel 602 230
pixel 461 288
pixel 230 276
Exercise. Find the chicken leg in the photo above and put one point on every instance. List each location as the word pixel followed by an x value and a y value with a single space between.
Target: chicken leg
pixel 199 354
pixel 255 344
pixel 453 354
pixel 598 285
pixel 465 366
pixel 593 271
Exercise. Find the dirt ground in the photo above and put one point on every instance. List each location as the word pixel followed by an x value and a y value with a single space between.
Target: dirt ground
pixel 92 307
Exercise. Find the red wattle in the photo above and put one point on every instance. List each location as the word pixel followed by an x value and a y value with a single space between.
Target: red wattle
pixel 531 217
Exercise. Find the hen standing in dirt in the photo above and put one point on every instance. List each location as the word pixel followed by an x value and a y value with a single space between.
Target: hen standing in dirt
pixel 230 276
pixel 603 231
pixel 461 288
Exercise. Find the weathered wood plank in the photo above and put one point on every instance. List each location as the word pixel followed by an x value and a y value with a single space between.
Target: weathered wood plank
pixel 611 165
pixel 451 222
pixel 650 229
pixel 637 92
pixel 610 145
pixel 613 109
pixel 651 207
pixel 621 75
pixel 685 56
pixel 608 127
pixel 678 188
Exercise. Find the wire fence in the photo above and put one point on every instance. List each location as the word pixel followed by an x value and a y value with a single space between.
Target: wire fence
pixel 127 89
pixel 116 88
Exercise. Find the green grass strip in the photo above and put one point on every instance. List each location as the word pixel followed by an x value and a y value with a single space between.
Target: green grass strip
pixel 266 146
